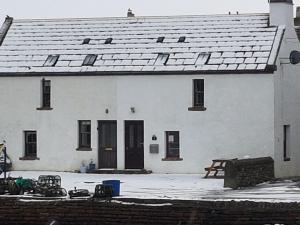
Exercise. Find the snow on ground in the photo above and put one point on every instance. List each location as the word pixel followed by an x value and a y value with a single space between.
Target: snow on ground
pixel 175 187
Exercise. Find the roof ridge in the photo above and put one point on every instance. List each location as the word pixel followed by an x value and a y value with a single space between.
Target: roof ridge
pixel 136 17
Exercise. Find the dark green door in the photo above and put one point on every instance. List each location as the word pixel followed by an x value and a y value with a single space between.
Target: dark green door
pixel 107 144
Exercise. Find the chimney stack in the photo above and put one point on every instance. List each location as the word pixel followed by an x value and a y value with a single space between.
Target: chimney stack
pixel 298 12
pixel 282 13
pixel 297 19
pixel 130 13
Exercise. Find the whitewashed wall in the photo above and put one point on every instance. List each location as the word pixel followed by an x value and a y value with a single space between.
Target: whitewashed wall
pixel 287 108
pixel 287 94
pixel 239 120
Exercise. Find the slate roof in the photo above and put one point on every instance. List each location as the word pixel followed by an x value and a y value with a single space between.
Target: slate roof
pixel 213 44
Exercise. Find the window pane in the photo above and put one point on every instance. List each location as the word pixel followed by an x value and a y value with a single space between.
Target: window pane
pixel 86 41
pixel 131 136
pixel 89 60
pixel 202 58
pixel 31 137
pixel 47 85
pixel 286 143
pixel 162 59
pixel 51 60
pixel 160 39
pixel 108 41
pixel 85 139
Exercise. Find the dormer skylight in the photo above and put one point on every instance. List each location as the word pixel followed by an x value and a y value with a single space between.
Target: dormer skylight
pixel 181 39
pixel 162 59
pixel 160 39
pixel 51 60
pixel 108 41
pixel 86 41
pixel 89 60
pixel 202 58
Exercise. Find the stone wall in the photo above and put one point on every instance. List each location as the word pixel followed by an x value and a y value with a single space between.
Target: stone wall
pixel 248 172
pixel 15 211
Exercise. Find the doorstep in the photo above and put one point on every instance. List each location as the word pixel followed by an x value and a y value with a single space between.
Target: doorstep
pixel 115 171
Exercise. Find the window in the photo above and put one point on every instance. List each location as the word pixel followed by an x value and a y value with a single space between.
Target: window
pixel 86 41
pixel 198 96
pixel 84 134
pixel 286 143
pixel 162 59
pixel 172 144
pixel 46 93
pixel 160 39
pixel 30 144
pixel 108 41
pixel 181 39
pixel 51 60
pixel 202 59
pixel 89 60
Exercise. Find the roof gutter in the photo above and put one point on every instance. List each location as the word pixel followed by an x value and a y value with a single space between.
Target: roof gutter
pixel 268 70
pixel 5 27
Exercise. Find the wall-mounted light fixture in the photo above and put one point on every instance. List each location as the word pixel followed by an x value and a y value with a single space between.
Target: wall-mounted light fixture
pixel 294 57
pixel 132 109
pixel 154 138
pixel 106 111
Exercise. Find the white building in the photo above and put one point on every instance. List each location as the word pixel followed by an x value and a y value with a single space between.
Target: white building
pixel 166 94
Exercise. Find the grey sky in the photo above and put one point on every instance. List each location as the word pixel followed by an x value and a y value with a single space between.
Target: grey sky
pixel 104 8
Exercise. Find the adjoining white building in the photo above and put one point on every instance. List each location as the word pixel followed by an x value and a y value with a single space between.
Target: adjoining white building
pixel 166 94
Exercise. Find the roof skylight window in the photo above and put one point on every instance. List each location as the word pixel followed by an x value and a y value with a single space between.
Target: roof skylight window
pixel 162 59
pixel 86 41
pixel 181 39
pixel 160 39
pixel 51 60
pixel 89 60
pixel 108 41
pixel 202 58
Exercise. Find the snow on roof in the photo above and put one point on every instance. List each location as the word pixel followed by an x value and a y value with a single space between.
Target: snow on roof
pixel 234 43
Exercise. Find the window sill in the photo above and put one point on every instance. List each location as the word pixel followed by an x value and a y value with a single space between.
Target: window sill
pixel 29 158
pixel 172 159
pixel 84 149
pixel 44 108
pixel 197 108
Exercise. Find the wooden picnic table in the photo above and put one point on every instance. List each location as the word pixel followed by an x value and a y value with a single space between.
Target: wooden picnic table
pixel 216 166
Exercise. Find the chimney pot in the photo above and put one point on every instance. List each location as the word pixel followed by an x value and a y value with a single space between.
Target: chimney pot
pixel 130 13
pixel 298 12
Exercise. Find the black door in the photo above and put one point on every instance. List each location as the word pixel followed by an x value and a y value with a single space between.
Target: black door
pixel 134 144
pixel 107 144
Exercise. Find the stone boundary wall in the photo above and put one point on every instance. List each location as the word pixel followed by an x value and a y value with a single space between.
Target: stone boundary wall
pixel 248 172
pixel 15 211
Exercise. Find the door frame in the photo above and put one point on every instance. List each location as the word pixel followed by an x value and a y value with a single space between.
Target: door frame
pixel 134 121
pixel 99 141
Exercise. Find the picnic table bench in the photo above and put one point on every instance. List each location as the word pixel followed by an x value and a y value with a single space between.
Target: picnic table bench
pixel 216 166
